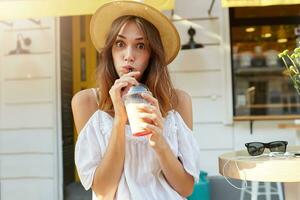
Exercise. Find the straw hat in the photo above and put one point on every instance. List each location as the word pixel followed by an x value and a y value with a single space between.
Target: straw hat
pixel 107 13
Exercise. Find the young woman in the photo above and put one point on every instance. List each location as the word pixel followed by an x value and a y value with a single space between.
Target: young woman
pixel 135 42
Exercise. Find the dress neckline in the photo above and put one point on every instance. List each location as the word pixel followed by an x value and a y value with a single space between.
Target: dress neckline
pixel 109 116
pixel 112 118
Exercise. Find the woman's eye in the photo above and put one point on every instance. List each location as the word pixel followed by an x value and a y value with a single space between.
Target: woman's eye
pixel 141 46
pixel 119 44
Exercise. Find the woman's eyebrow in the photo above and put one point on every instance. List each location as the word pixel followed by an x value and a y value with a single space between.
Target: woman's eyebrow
pixel 138 38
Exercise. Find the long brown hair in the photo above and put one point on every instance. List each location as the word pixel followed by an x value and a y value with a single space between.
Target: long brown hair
pixel 156 76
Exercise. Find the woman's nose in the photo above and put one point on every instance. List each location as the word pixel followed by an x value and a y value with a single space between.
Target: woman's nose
pixel 129 55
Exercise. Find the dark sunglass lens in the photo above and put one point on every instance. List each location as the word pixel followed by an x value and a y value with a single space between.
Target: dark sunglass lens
pixel 278 146
pixel 255 148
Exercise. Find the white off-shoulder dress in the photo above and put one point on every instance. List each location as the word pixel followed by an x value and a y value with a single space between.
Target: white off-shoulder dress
pixel 142 177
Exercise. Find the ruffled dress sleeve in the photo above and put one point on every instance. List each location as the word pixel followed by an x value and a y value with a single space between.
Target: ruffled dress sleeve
pixel 188 148
pixel 89 150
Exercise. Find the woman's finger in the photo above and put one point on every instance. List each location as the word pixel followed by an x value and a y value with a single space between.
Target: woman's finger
pixel 133 74
pixel 150 109
pixel 150 99
pixel 146 108
pixel 152 128
pixel 130 80
pixel 152 118
pixel 117 87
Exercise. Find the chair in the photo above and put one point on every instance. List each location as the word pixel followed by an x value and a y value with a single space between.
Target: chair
pixel 202 188
pixel 267 190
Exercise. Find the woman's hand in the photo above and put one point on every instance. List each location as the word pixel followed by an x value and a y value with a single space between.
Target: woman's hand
pixel 154 122
pixel 116 92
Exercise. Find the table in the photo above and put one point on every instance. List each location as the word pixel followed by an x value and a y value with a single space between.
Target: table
pixel 265 168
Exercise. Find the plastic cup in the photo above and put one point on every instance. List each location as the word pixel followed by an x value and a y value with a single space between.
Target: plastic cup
pixel 132 99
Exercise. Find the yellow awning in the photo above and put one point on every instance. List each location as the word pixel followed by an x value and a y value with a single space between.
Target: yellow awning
pixel 42 8
pixel 245 3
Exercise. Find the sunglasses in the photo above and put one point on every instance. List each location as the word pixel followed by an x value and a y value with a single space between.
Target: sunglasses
pixel 257 148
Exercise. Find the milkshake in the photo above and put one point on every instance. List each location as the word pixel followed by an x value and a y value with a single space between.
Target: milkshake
pixel 132 100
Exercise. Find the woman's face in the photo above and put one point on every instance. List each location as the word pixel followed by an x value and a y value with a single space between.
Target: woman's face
pixel 129 51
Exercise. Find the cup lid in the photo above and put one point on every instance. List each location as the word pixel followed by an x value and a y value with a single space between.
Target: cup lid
pixel 137 89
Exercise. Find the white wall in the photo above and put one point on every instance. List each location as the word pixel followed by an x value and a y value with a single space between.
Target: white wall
pixel 206 75
pixel 29 128
pixel 201 72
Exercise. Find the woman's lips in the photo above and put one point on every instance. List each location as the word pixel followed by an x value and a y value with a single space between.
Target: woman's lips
pixel 127 69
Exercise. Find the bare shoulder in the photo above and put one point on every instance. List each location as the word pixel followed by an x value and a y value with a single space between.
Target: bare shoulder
pixel 84 105
pixel 184 107
pixel 84 96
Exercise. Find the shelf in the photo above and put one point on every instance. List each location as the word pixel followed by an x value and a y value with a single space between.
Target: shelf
pixel 293 126
pixel 268 41
pixel 259 70
pixel 265 117
pixel 277 105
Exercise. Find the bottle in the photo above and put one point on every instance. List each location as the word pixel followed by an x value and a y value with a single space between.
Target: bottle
pixel 258 59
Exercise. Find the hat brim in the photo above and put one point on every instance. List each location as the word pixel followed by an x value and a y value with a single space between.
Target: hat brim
pixel 107 13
